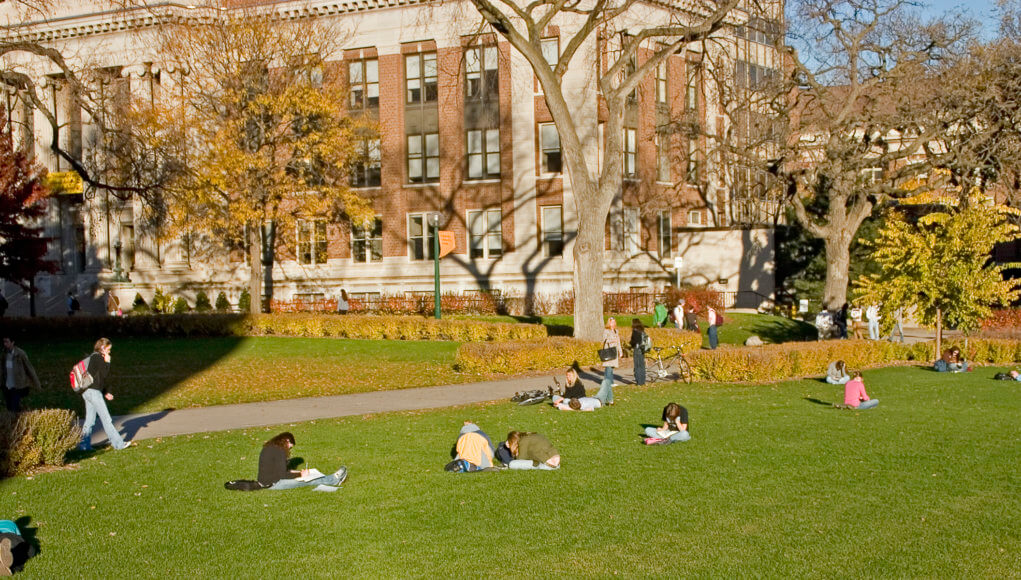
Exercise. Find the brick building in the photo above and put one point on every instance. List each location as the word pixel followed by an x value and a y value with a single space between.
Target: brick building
pixel 463 132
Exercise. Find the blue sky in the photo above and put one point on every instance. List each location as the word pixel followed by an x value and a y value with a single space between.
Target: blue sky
pixel 982 10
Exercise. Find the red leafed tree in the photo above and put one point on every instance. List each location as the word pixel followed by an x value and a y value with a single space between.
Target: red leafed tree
pixel 22 202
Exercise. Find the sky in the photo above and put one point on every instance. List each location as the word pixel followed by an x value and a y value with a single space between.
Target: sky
pixel 982 10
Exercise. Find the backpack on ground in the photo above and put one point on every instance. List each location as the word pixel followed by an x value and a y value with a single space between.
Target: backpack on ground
pixel 80 377
pixel 243 485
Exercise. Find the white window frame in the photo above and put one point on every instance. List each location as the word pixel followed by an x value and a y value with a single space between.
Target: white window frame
pixel 307 233
pixel 423 151
pixel 549 236
pixel 363 82
pixel 661 83
pixel 483 154
pixel 426 237
pixel 695 218
pixel 546 130
pixel 485 233
pixel 372 248
pixel 666 234
pixel 630 150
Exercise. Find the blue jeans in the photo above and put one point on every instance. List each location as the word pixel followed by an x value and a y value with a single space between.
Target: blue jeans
pixel 605 393
pixel 873 330
pixel 333 479
pixel 898 328
pixel 867 404
pixel 639 366
pixel 528 464
pixel 714 341
pixel 675 438
pixel 842 381
pixel 95 404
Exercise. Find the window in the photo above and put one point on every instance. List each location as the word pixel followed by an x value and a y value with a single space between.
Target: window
pixel 691 172
pixel 484 154
pixel 663 157
pixel 691 89
pixel 752 76
pixel 420 72
pixel 366 170
pixel 665 234
pixel 630 232
pixel 363 79
pixel 485 233
pixel 630 152
pixel 872 175
pixel 550 48
pixel 420 237
pixel 661 83
pixel 759 30
pixel 695 217
pixel 424 158
pixel 312 241
pixel 552 231
pixel 549 149
pixel 481 73
pixel 367 242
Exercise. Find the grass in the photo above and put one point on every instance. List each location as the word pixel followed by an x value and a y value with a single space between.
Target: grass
pixel 773 484
pixel 152 374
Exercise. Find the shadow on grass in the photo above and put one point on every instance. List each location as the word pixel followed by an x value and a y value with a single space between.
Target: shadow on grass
pixel 818 401
pixel 29 548
pixel 790 331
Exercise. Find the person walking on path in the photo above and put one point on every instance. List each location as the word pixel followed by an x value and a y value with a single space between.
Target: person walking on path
pixel 611 339
pixel 898 325
pixel 660 315
pixel 16 375
pixel 638 343
pixel 96 396
pixel 713 322
pixel 872 317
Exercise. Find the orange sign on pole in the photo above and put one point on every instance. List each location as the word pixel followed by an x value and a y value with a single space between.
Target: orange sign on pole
pixel 447 243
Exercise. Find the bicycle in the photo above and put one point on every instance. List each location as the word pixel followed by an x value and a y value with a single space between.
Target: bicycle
pixel 660 370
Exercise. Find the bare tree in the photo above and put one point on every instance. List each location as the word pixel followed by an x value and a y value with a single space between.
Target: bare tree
pixel 617 30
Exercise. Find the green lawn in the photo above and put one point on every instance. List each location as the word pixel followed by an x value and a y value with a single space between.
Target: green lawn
pixel 774 483
pixel 151 374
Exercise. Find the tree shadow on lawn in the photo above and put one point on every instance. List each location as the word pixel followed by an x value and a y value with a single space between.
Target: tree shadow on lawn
pixel 776 333
pixel 818 401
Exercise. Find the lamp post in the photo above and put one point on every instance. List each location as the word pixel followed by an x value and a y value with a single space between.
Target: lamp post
pixel 434 221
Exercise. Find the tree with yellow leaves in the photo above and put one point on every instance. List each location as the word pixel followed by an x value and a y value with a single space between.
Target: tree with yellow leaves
pixel 251 125
pixel 940 266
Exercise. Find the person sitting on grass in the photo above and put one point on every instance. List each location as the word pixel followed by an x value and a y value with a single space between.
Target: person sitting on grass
pixel 855 395
pixel 531 451
pixel 1015 375
pixel 14 549
pixel 573 389
pixel 675 426
pixel 951 362
pixel 274 472
pixel 576 403
pixel 836 374
pixel 473 451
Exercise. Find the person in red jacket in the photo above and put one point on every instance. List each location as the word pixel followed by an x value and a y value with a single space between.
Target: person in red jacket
pixel 855 395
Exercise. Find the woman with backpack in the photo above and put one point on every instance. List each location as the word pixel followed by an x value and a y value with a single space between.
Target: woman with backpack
pixel 531 451
pixel 675 426
pixel 95 398
pixel 274 472
pixel 639 344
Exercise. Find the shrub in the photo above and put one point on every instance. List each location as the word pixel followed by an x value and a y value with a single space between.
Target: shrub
pixel 181 306
pixel 161 303
pixel 139 305
pixel 519 356
pixel 202 302
pixel 32 439
pixel 687 341
pixel 701 296
pixel 390 327
pixel 222 304
pixel 244 301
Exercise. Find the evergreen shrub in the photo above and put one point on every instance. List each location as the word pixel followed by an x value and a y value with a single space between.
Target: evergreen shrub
pixel 244 301
pixel 202 303
pixel 139 305
pixel 222 304
pixel 181 306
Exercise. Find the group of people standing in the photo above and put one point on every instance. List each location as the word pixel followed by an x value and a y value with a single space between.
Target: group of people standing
pixel 861 320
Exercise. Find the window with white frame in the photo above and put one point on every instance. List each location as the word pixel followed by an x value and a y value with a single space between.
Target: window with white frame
pixel 549 149
pixel 665 234
pixel 695 217
pixel 550 48
pixel 691 171
pixel 420 77
pixel 367 242
pixel 481 73
pixel 630 152
pixel 363 79
pixel 630 242
pixel 663 157
pixel 552 231
pixel 483 153
pixel 366 169
pixel 311 236
pixel 871 176
pixel 420 237
pixel 424 158
pixel 485 233
pixel 661 84
pixel 691 89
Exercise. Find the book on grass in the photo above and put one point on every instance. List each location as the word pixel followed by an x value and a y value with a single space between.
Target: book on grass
pixel 313 473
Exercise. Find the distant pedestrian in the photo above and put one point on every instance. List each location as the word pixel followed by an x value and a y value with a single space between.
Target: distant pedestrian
pixel 856 323
pixel 611 339
pixel 691 319
pixel 113 304
pixel 638 343
pixel 872 317
pixel 73 306
pixel 95 398
pixel 342 303
pixel 841 321
pixel 898 324
pixel 713 321
pixel 16 375
pixel 660 315
pixel 679 315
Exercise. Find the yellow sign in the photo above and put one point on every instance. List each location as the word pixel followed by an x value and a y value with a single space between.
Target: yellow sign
pixel 447 242
pixel 65 182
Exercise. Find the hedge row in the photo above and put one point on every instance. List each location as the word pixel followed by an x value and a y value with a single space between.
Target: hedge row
pixel 310 325
pixel 512 357
pixel 33 439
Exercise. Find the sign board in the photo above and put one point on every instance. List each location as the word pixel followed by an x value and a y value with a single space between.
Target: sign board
pixel 803 305
pixel 447 242
pixel 65 182
pixel 678 263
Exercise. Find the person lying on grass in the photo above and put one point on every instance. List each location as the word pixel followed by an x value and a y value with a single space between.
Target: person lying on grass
pixel 675 426
pixel 855 395
pixel 531 451
pixel 576 403
pixel 274 474
pixel 473 450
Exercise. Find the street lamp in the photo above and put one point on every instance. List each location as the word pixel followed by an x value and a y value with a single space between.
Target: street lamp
pixel 434 221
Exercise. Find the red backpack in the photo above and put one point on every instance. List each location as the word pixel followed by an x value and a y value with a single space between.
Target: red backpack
pixel 80 377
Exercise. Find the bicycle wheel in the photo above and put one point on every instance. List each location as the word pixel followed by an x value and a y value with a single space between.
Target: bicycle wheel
pixel 684 368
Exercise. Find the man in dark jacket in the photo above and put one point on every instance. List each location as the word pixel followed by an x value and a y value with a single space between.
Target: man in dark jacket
pixel 16 375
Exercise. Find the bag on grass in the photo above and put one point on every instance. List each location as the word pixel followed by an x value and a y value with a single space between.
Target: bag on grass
pixel 243 485
pixel 80 377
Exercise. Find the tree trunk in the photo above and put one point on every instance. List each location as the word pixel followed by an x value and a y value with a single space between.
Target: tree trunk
pixel 588 277
pixel 255 261
pixel 269 239
pixel 939 334
pixel 838 262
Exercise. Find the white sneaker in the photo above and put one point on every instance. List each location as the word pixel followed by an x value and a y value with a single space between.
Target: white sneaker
pixel 341 474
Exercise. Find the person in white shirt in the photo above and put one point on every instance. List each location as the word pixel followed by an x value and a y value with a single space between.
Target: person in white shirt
pixel 873 317
pixel 679 315
pixel 578 404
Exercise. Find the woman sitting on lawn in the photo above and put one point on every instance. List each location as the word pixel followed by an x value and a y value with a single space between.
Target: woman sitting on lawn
pixel 273 471
pixel 675 425
pixel 573 389
pixel 473 450
pixel 855 395
pixel 531 451
pixel 951 361
pixel 836 374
